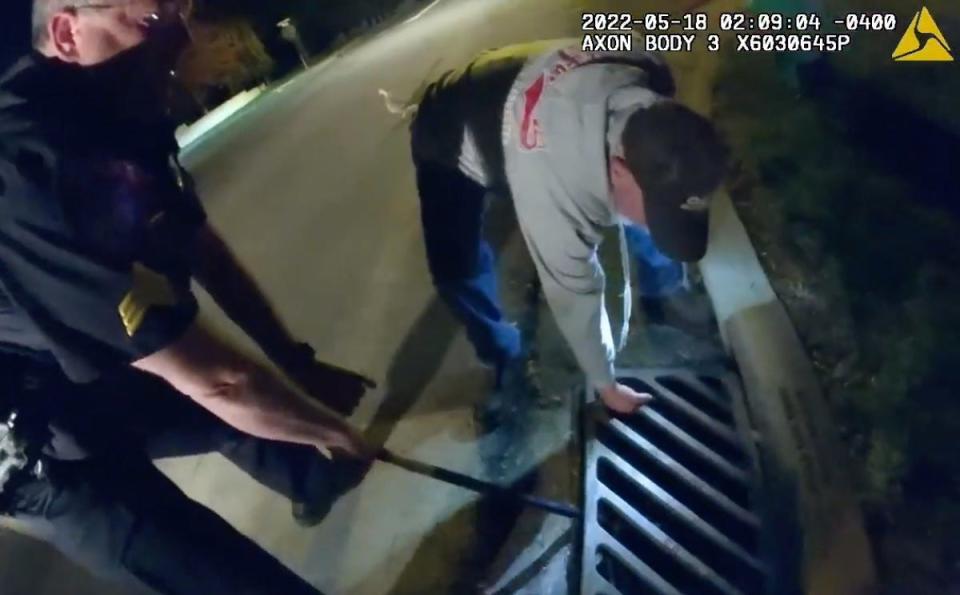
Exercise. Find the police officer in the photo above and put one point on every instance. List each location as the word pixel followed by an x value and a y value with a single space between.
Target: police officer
pixel 100 236
pixel 71 476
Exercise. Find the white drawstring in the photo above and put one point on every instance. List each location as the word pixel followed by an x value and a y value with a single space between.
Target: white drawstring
pixel 627 290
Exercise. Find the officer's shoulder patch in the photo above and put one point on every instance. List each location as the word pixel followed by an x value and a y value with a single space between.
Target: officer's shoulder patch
pixel 148 289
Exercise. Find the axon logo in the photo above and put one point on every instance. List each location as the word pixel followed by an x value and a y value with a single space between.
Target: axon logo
pixel 923 41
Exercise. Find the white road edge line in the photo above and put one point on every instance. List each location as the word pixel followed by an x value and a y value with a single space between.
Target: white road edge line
pixel 422 12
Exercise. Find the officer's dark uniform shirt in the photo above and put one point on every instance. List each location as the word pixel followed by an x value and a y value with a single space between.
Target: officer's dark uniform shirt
pixel 97 223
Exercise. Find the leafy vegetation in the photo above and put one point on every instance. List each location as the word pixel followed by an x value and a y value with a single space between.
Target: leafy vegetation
pixel 847 187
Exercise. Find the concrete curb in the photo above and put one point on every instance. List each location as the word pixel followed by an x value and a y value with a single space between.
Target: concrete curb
pixel 187 134
pixel 819 540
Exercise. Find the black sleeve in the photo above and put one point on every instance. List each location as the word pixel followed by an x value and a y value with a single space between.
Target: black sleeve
pixel 187 202
pixel 95 312
pixel 659 77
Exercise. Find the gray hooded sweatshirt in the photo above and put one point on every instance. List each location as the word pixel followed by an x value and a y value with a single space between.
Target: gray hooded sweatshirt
pixel 563 117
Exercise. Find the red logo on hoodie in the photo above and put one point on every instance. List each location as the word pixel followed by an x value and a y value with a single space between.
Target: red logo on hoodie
pixel 531 135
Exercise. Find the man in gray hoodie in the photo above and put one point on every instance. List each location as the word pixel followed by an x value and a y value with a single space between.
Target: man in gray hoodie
pixel 581 141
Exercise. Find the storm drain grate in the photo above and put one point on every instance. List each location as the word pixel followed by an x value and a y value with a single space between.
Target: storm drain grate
pixel 670 494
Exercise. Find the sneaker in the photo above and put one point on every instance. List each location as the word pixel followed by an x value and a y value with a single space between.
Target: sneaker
pixel 344 476
pixel 512 393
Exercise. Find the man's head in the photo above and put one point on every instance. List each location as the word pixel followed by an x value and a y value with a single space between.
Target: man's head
pixel 89 32
pixel 670 161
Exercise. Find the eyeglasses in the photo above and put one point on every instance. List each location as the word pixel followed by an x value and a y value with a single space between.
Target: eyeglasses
pixel 167 10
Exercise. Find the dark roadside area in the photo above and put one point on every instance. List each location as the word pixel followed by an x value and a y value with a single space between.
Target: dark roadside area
pixel 847 185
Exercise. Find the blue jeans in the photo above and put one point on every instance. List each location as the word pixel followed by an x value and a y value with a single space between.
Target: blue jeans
pixel 461 260
pixel 463 265
pixel 657 275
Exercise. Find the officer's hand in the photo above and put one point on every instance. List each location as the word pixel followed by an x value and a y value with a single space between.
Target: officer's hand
pixel 341 438
pixel 339 389
pixel 623 399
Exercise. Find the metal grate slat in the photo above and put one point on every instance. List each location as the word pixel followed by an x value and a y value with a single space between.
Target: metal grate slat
pixel 670 494
pixel 682 446
pixel 665 510
pixel 613 553
pixel 642 455
pixel 669 557
pixel 720 438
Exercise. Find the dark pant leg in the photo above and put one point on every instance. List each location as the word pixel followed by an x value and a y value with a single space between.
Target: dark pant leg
pixel 131 524
pixel 140 410
pixel 657 274
pixel 461 261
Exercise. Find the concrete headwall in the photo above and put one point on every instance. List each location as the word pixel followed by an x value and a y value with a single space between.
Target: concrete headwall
pixel 819 544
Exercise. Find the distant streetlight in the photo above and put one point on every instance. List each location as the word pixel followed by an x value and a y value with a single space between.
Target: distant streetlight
pixel 288 31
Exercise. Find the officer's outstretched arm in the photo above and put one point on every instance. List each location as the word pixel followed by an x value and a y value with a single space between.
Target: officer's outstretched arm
pixel 248 396
pixel 239 295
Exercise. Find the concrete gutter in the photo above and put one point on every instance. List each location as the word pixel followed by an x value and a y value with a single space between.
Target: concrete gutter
pixel 187 134
pixel 410 10
pixel 818 538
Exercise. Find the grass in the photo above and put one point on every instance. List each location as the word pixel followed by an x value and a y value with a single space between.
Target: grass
pixel 849 192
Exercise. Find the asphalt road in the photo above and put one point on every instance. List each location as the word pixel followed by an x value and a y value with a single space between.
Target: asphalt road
pixel 313 185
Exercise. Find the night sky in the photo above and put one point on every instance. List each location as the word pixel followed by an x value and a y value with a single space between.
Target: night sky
pixel 14 30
